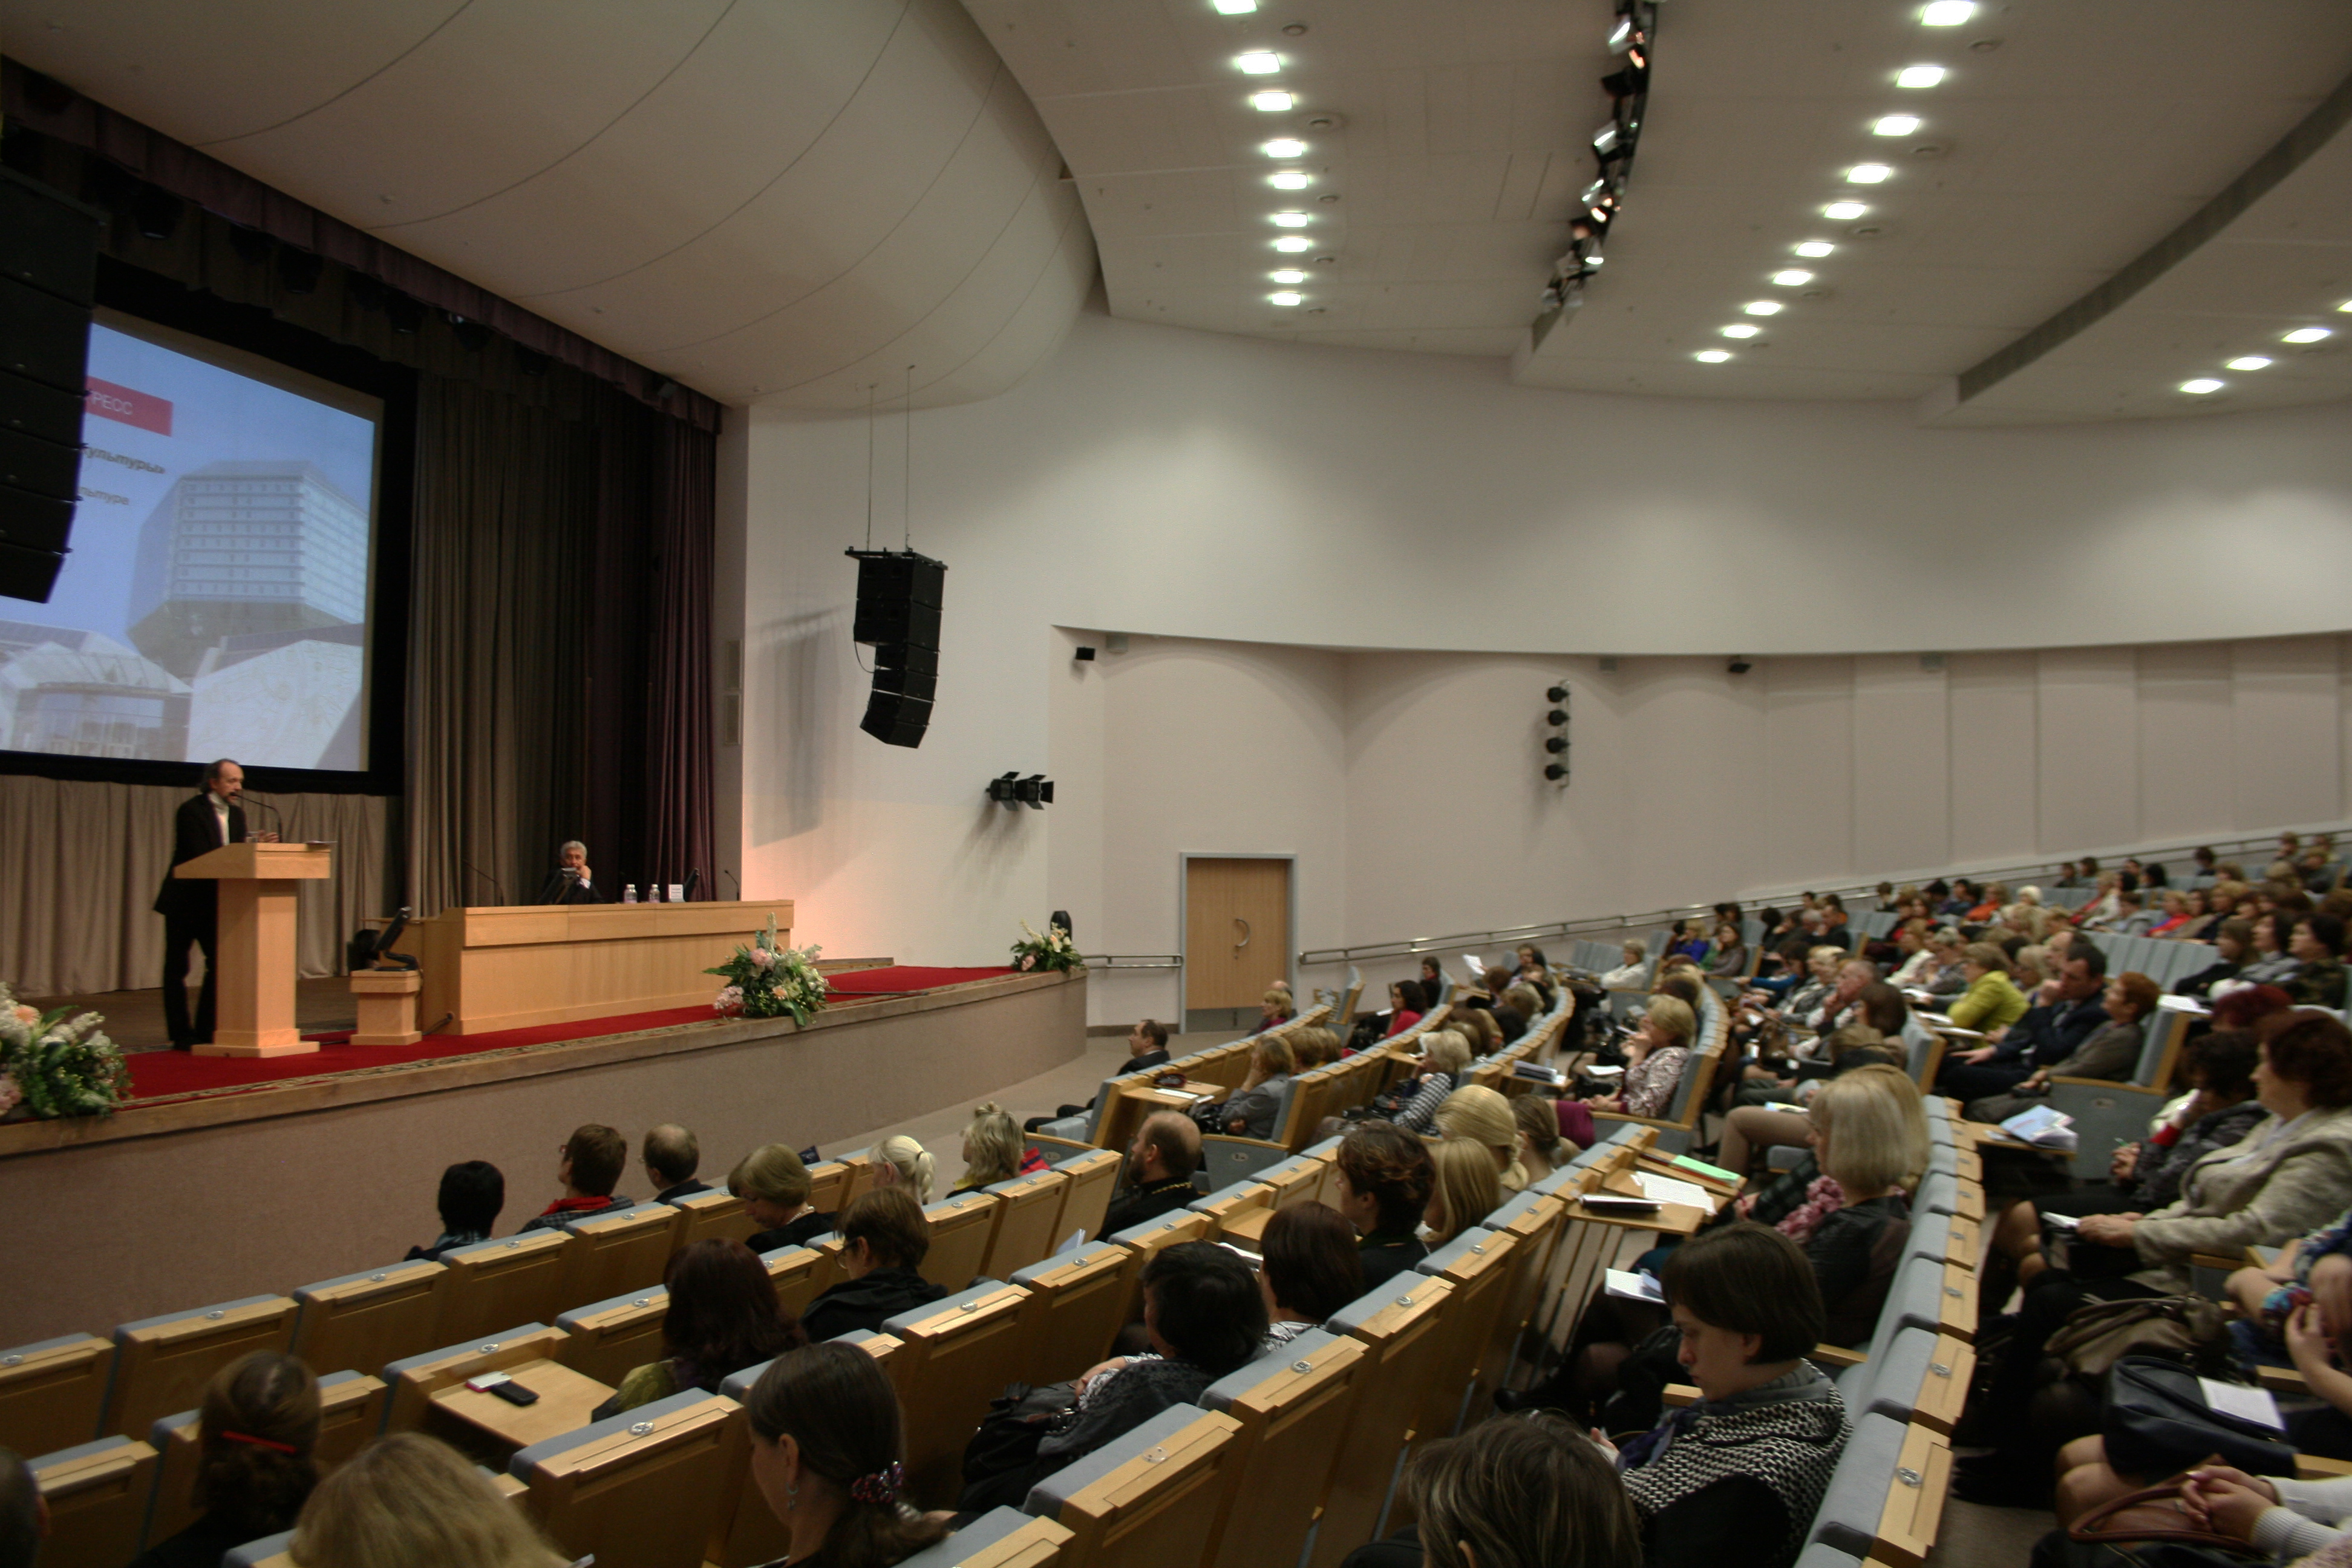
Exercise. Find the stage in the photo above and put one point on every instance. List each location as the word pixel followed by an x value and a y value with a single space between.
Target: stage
pixel 224 1177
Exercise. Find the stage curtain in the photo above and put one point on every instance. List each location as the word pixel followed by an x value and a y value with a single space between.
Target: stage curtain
pixel 89 858
pixel 680 740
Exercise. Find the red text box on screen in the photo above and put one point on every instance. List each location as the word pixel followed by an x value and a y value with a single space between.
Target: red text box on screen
pixel 142 409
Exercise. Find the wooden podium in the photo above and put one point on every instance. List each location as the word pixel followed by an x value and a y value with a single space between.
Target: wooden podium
pixel 253 985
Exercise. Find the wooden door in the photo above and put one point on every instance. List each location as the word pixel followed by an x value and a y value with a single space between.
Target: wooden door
pixel 1236 931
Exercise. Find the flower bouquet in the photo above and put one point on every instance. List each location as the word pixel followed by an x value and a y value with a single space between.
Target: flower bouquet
pixel 1053 951
pixel 766 980
pixel 55 1066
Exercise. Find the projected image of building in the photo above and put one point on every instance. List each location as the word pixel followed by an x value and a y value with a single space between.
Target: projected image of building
pixel 239 549
pixel 78 694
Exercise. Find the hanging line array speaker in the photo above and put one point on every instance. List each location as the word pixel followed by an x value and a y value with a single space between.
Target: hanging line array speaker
pixel 48 274
pixel 898 594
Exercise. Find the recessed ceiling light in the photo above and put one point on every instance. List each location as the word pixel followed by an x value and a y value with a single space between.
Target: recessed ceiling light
pixel 2306 335
pixel 1762 307
pixel 1259 62
pixel 1284 297
pixel 1294 242
pixel 1288 220
pixel 1843 210
pixel 1270 102
pixel 1740 329
pixel 1288 275
pixel 1918 76
pixel 1947 13
pixel 1284 147
pixel 2249 362
pixel 1712 356
pixel 1814 247
pixel 1234 7
pixel 2201 386
pixel 1868 174
pixel 2345 307
pixel 1895 125
pixel 1794 277
pixel 1290 180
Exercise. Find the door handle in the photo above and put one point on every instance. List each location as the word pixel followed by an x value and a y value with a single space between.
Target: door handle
pixel 1246 933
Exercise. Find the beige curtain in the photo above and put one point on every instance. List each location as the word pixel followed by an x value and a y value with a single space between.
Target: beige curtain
pixel 80 864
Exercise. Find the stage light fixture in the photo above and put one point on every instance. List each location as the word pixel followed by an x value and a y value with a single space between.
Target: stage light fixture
pixel 1292 243
pixel 1621 38
pixel 1869 175
pixel 1895 125
pixel 1288 275
pixel 1271 102
pixel 1284 297
pixel 1288 220
pixel 1234 7
pixel 1738 666
pixel 1284 147
pixel 1947 13
pixel 1606 139
pixel 1712 356
pixel 1794 277
pixel 2345 307
pixel 2201 386
pixel 1920 76
pixel 1739 330
pixel 1815 248
pixel 1556 716
pixel 1556 694
pixel 1844 212
pixel 1554 772
pixel 1012 791
pixel 1290 180
pixel 1763 307
pixel 2306 335
pixel 156 212
pixel 2247 361
pixel 1259 62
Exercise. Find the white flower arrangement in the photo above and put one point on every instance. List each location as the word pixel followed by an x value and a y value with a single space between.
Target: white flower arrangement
pixel 767 979
pixel 1053 952
pixel 57 1066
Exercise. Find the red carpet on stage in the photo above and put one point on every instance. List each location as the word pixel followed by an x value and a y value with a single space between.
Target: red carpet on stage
pixel 158 1075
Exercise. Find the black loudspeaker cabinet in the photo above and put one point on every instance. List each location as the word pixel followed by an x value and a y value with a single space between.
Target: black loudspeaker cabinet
pixel 896 720
pixel 899 598
pixel 49 275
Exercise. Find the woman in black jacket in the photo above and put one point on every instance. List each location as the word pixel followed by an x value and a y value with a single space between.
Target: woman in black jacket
pixel 885 1238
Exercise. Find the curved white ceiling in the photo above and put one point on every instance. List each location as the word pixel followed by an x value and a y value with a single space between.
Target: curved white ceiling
pixel 779 203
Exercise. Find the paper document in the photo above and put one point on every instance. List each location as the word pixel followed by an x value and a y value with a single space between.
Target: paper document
pixel 1783 1105
pixel 1477 967
pixel 2042 1126
pixel 2060 1221
pixel 2246 1404
pixel 1672 1190
pixel 1078 1239
pixel 2184 1004
pixel 1602 1069
pixel 1704 1169
pixel 1633 1287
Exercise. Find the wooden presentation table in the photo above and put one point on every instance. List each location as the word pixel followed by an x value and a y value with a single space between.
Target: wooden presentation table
pixel 253 993
pixel 521 965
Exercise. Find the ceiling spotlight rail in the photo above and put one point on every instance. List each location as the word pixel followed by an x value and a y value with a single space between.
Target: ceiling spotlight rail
pixel 1613 145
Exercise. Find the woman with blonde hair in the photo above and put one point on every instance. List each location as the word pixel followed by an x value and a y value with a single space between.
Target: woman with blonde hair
pixel 898 1160
pixel 1475 1114
pixel 1864 1142
pixel 412 1502
pixel 1466 1191
pixel 1277 1007
pixel 774 1186
pixel 1542 1150
pixel 1445 1054
pixel 993 1151
pixel 1654 1059
pixel 1476 1025
pixel 1250 1111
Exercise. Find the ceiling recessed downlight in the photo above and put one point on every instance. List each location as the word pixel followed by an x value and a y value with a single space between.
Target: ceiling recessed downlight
pixel 1293 243
pixel 1284 297
pixel 2306 334
pixel 1895 125
pixel 1762 307
pixel 2345 307
pixel 1920 76
pixel 1740 329
pixel 1290 180
pixel 2249 362
pixel 1271 102
pixel 1947 13
pixel 1234 7
pixel 1288 275
pixel 1288 220
pixel 2201 386
pixel 1794 277
pixel 1712 356
pixel 1815 248
pixel 1284 147
pixel 1844 212
pixel 1868 174
pixel 1259 62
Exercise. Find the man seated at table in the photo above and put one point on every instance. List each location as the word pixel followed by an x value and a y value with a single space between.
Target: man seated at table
pixel 1147 1046
pixel 671 1155
pixel 1159 1167
pixel 593 1158
pixel 572 882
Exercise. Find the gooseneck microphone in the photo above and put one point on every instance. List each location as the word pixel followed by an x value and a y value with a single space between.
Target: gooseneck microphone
pixel 485 877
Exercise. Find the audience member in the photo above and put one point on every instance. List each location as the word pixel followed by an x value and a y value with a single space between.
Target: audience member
pixel 1542 1150
pixel 254 1433
pixel 1634 974
pixel 1308 1270
pixel 1476 1114
pixel 1729 959
pixel 24 1515
pixel 1147 1046
pixel 2317 948
pixel 899 1161
pixel 1464 1193
pixel 1250 1111
pixel 1385 1177
pixel 671 1157
pixel 1518 1006
pixel 593 1159
pixel 2110 1051
pixel 412 1502
pixel 1865 1144
pixel 722 1316
pixel 993 1151
pixel 1444 1053
pixel 774 1186
pixel 2232 938
pixel 1532 1492
pixel 1314 1046
pixel 472 1194
pixel 1159 1166
pixel 1653 1060
pixel 885 1239
pixel 2270 964
pixel 828 1457
pixel 1407 1003
pixel 1433 978
pixel 1992 1004
pixel 1206 1316
pixel 1276 1008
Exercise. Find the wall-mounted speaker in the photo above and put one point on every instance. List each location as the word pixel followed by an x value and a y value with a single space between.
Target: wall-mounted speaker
pixel 49 275
pixel 898 600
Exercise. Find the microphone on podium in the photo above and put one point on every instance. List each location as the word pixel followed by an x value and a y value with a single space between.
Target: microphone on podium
pixel 693 879
pixel 485 877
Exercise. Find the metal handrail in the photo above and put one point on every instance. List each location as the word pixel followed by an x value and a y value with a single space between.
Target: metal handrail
pixel 1134 960
pixel 2223 849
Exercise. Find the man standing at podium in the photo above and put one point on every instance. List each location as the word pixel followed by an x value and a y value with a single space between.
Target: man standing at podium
pixel 571 881
pixel 190 907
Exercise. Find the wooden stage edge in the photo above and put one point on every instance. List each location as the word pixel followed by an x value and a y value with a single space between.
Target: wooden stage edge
pixel 439 1075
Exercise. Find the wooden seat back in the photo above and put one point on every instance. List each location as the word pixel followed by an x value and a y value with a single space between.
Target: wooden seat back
pixel 614 1253
pixel 1148 1500
pixel 1001 1538
pixel 53 1392
pixel 829 1183
pixel 641 1487
pixel 1224 1207
pixel 96 1495
pixel 350 1413
pixel 609 1340
pixel 1404 1324
pixel 1480 1265
pixel 162 1365
pixel 956 1355
pixel 795 1270
pixel 372 1317
pixel 856 1178
pixel 1294 1405
pixel 1094 1180
pixel 1143 1241
pixel 702 1217
pixel 496 1284
pixel 1028 1221
pixel 961 1227
pixel 416 1380
pixel 1075 1306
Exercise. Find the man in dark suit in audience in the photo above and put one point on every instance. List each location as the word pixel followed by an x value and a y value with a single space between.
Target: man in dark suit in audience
pixel 1147 1046
pixel 191 906
pixel 2045 1036
pixel 671 1157
pixel 1159 1170
pixel 572 882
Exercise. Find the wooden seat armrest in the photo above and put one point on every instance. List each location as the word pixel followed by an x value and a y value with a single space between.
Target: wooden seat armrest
pixel 2110 1084
pixel 1679 1394
pixel 2312 1468
pixel 2215 1260
pixel 2281 1380
pixel 1836 1355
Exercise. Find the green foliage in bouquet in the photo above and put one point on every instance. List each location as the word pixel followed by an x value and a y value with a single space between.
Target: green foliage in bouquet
pixel 57 1066
pixel 767 981
pixel 1053 952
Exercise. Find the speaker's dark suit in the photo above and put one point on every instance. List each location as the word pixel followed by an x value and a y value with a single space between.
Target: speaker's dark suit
pixel 191 910
pixel 556 891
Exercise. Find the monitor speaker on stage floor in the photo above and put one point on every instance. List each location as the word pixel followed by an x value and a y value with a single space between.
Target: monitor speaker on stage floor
pixel 898 598
pixel 48 276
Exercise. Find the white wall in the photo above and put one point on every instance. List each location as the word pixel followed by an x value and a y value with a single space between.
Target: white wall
pixel 1245 508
